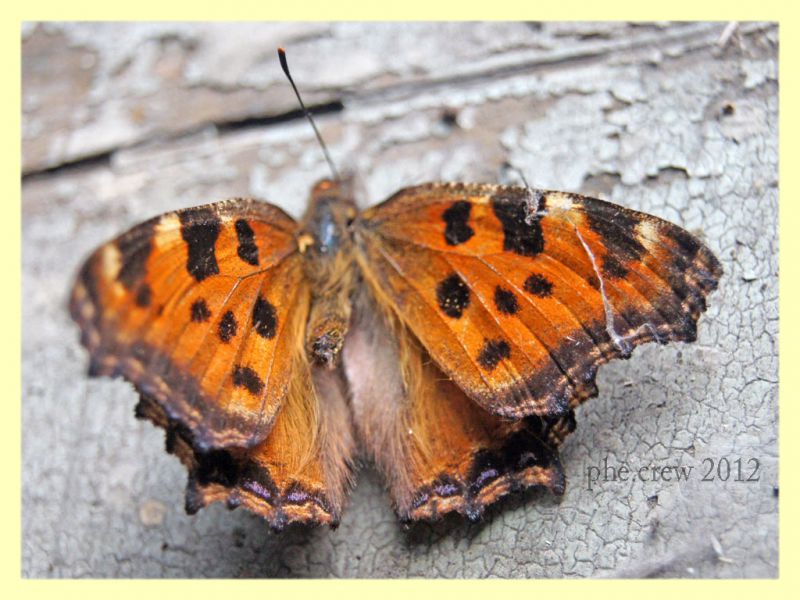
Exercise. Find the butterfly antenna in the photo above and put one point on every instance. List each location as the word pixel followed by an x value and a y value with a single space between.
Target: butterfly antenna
pixel 285 67
pixel 521 176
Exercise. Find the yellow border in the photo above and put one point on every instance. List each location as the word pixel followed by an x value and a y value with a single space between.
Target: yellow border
pixel 416 10
pixel 413 10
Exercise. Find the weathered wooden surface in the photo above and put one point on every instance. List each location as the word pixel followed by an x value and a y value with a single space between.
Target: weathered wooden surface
pixel 666 118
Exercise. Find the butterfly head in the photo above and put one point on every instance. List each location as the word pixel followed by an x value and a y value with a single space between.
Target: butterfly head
pixel 328 190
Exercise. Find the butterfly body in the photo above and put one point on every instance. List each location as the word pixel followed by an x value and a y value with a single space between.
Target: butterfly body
pixel 448 333
pixel 325 240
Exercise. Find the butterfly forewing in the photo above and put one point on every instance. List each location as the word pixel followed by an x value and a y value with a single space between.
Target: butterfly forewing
pixel 519 294
pixel 198 309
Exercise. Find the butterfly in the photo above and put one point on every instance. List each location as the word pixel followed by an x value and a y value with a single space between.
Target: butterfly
pixel 446 334
pixel 486 309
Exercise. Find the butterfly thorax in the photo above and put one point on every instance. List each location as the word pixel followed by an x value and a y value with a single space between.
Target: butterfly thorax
pixel 326 242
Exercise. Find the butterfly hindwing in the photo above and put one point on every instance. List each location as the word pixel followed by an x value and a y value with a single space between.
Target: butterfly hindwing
pixel 438 450
pixel 201 310
pixel 300 473
pixel 520 294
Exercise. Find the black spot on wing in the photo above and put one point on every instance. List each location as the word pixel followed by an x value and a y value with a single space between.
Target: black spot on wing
pixel 265 318
pixel 538 285
pixel 200 230
pixel 613 268
pixel 227 327
pixel 247 378
pixel 144 296
pixel 217 466
pixel 522 230
pixel 135 247
pixel 456 218
pixel 493 352
pixel 199 311
pixel 453 296
pixel 247 249
pixel 505 301
pixel 523 450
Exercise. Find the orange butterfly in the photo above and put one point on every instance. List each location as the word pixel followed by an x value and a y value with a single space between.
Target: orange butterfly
pixel 448 332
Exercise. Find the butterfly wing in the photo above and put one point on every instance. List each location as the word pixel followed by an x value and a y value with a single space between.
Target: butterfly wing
pixel 300 473
pixel 520 294
pixel 438 451
pixel 202 310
